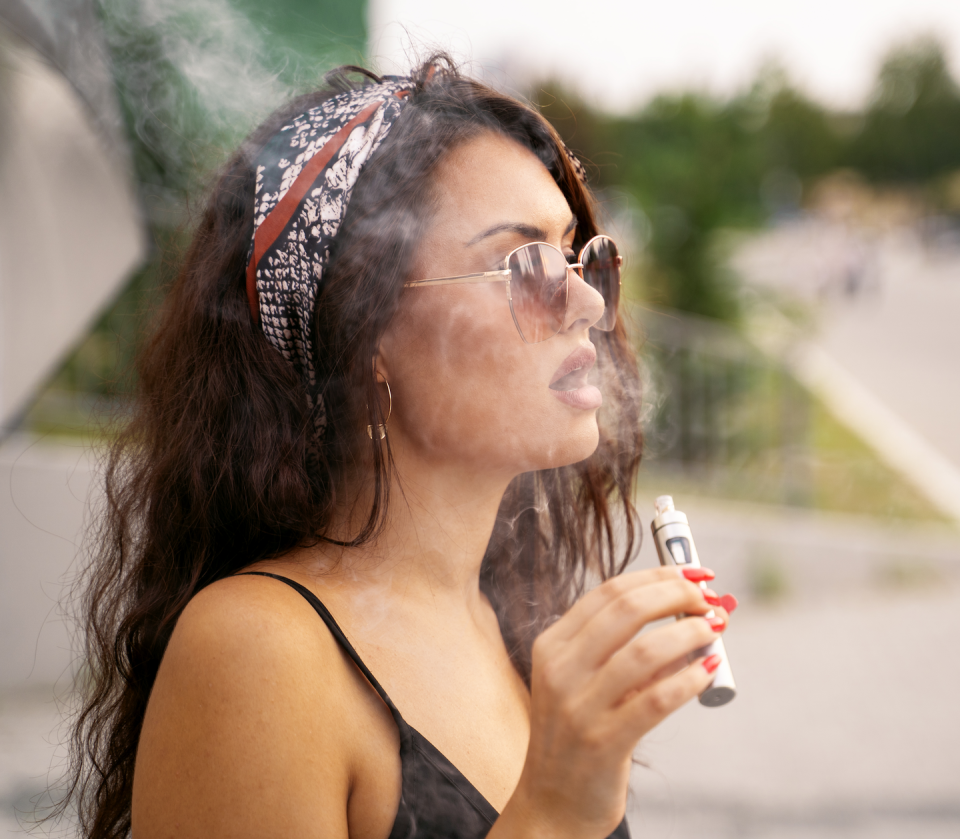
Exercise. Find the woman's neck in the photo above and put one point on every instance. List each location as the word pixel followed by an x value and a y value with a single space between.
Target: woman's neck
pixel 436 530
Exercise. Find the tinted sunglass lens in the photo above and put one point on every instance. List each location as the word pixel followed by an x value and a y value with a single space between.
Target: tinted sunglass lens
pixel 601 269
pixel 538 290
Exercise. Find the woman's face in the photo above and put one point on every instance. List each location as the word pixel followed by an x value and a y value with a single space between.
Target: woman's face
pixel 466 388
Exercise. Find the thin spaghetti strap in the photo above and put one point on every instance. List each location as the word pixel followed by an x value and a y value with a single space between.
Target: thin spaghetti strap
pixel 337 633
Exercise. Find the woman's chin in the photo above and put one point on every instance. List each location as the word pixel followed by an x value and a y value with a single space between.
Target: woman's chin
pixel 578 443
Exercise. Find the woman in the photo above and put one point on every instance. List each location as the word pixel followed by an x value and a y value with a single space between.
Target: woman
pixel 368 481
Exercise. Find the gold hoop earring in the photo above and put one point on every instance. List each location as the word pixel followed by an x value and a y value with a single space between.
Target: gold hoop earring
pixel 382 427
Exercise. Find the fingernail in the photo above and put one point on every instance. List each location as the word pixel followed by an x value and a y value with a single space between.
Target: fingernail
pixel 716 624
pixel 711 597
pixel 729 602
pixel 711 663
pixel 698 575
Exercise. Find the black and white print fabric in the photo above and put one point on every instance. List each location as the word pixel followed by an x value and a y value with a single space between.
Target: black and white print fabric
pixel 304 178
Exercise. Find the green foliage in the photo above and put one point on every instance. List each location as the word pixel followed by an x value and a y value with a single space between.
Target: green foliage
pixel 317 34
pixel 103 363
pixel 697 164
pixel 767 579
pixel 194 76
pixel 911 130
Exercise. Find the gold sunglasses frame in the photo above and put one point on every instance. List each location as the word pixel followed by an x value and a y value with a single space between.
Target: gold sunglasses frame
pixel 503 276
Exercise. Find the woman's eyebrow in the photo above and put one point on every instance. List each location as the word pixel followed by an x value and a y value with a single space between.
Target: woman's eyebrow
pixel 528 231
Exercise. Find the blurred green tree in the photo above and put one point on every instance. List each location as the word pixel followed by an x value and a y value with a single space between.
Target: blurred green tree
pixel 676 158
pixel 697 164
pixel 318 34
pixel 193 76
pixel 911 129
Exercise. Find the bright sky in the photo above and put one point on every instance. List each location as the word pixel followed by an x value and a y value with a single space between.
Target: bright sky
pixel 619 53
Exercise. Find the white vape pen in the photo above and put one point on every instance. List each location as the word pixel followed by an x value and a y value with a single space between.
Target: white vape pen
pixel 674 541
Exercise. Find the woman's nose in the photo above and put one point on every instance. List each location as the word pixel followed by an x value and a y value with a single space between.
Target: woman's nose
pixel 584 304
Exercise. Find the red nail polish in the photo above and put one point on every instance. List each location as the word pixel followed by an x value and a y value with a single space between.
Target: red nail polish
pixel 729 602
pixel 698 575
pixel 711 663
pixel 711 597
pixel 716 624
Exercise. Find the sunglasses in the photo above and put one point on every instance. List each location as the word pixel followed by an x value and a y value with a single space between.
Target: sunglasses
pixel 537 276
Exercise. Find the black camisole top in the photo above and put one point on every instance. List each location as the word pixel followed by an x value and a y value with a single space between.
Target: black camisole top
pixel 436 800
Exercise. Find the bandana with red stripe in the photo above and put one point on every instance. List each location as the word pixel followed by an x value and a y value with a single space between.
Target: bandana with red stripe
pixel 305 176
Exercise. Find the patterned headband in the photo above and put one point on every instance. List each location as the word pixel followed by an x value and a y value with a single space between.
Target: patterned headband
pixel 305 176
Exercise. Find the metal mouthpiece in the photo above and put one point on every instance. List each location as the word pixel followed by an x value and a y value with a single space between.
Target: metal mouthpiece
pixel 663 503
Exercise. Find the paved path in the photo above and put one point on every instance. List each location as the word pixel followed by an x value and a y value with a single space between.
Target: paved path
pixel 43 492
pixel 30 758
pixel 903 341
pixel 844 725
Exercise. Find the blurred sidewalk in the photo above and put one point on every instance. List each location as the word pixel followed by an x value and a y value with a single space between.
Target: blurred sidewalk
pixel 901 339
pixel 30 757
pixel 844 726
pixel 885 356
pixel 43 500
pixel 43 495
pixel 845 720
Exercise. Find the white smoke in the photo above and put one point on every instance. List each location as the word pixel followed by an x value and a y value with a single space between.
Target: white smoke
pixel 193 76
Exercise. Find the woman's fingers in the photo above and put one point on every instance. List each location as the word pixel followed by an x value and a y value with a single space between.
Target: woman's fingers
pixel 594 662
pixel 648 707
pixel 651 657
pixel 598 684
pixel 623 617
pixel 594 601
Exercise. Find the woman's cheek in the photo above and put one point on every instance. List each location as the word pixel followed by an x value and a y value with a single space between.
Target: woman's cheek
pixel 471 401
pixel 467 381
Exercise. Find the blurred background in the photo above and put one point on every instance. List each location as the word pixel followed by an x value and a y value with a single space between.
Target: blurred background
pixel 785 179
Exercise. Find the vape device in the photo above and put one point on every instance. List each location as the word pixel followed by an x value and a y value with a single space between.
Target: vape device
pixel 674 541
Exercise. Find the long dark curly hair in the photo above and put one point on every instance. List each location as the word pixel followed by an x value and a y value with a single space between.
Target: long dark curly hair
pixel 211 473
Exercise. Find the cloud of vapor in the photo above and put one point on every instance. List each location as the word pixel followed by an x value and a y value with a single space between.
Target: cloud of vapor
pixel 192 76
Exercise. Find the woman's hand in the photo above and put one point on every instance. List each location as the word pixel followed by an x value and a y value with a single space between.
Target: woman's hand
pixel 596 689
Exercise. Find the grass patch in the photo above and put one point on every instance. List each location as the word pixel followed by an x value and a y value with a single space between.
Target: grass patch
pixel 767 579
pixel 830 469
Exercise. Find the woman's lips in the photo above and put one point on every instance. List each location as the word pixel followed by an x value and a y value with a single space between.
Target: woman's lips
pixel 570 382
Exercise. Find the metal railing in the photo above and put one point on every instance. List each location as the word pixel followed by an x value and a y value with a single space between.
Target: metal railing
pixel 722 413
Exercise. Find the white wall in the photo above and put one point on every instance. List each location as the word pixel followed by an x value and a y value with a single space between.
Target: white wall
pixel 70 231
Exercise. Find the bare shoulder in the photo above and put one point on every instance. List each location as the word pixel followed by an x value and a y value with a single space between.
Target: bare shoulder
pixel 249 712
pixel 249 621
